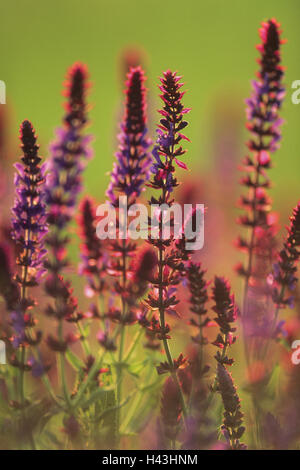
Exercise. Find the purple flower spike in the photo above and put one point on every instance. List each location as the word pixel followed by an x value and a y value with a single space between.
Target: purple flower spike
pixel 263 122
pixel 69 152
pixel 28 230
pixel 29 223
pixel 285 270
pixel 131 169
pixel 168 149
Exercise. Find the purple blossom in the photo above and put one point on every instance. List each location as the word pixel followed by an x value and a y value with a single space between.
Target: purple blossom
pixel 69 155
pixel 28 230
pixel 284 271
pixel 29 222
pixel 131 169
pixel 263 122
pixel 93 256
pixel 70 152
pixel 37 367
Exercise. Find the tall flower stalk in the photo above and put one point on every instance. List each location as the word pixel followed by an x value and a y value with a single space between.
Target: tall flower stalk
pixel 28 230
pixel 226 316
pixel 166 155
pixel 69 154
pixel 263 122
pixel 129 174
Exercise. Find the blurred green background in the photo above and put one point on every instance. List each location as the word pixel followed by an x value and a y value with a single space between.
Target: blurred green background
pixel 212 43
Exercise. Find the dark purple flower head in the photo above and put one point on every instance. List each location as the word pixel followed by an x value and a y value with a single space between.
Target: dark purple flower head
pixel 69 155
pixel 168 149
pixel 29 222
pixel 170 409
pixel 70 151
pixel 105 341
pixel 131 169
pixel 38 368
pixel 18 324
pixel 268 92
pixel 93 264
pixel 28 230
pixel 198 299
pixel 232 428
pixel 285 269
pixel 226 316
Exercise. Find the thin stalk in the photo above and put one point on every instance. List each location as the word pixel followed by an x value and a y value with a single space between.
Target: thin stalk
pixel 137 403
pixel 85 344
pixel 62 367
pixel 275 318
pixel 122 339
pixel 23 350
pixel 133 345
pixel 165 341
pixel 250 264
pixel 214 385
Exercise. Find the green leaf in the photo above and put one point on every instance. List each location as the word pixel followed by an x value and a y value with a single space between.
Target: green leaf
pixel 136 368
pixel 99 394
pixel 74 360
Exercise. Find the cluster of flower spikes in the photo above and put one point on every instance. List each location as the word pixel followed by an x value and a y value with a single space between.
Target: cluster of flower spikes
pixel 29 228
pixel 70 153
pixel 285 268
pixel 128 177
pixel 166 154
pixel 263 122
pixel 226 316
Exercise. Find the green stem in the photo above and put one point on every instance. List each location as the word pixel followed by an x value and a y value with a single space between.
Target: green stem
pixel 85 345
pixel 122 339
pixel 136 404
pixel 133 345
pixel 165 341
pixel 62 367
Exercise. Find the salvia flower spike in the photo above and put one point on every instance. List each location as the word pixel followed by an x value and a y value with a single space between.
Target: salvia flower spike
pixel 263 122
pixel 70 151
pixel 69 155
pixel 226 316
pixel 131 169
pixel 128 178
pixel 168 150
pixel 28 228
pixel 199 297
pixel 232 427
pixel 285 268
pixel 166 154
pixel 93 265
